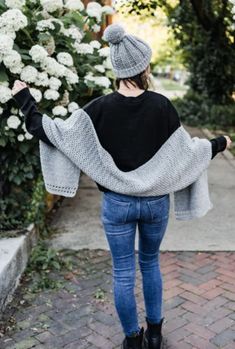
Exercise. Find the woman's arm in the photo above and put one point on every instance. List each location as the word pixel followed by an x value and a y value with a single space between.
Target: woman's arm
pixel 218 144
pixel 33 118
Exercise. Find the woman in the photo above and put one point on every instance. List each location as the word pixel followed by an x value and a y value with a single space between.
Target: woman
pixel 132 123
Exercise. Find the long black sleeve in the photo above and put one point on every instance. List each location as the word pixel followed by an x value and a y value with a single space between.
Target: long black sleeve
pixel 33 118
pixel 218 144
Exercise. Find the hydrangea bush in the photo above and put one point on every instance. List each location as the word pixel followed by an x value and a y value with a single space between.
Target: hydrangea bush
pixel 50 45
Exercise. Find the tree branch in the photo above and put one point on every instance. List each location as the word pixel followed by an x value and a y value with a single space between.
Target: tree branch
pixel 203 18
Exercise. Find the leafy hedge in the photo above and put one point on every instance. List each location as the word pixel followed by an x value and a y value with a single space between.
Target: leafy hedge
pixel 52 46
pixel 197 110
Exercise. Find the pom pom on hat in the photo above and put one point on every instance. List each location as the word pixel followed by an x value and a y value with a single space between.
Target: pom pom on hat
pixel 114 34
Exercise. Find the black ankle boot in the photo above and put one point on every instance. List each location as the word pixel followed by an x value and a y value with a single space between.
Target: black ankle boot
pixel 152 338
pixel 133 342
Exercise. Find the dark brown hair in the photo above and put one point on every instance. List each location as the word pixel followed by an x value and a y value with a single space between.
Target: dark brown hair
pixel 141 80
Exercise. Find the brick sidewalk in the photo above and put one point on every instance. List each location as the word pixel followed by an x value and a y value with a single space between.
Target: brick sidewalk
pixel 199 294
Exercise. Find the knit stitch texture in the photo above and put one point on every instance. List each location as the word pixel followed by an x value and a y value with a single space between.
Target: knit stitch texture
pixel 129 54
pixel 178 167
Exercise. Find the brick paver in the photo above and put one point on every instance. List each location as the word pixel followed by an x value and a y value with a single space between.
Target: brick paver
pixel 199 292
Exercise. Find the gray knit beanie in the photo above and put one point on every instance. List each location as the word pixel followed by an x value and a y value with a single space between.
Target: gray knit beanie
pixel 129 55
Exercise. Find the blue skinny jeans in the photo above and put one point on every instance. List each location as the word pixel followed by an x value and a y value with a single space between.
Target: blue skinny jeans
pixel 120 215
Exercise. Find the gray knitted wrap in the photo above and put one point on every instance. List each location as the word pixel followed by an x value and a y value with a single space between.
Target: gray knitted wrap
pixel 178 167
pixel 129 55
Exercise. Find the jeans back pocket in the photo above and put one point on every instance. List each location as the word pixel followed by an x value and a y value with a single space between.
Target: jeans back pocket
pixel 159 208
pixel 114 210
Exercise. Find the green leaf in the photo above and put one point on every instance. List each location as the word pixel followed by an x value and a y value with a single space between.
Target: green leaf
pixel 56 265
pixel 3 142
pixel 75 18
pixel 17 180
pixel 29 175
pixel 44 36
pixel 26 57
pixel 2 5
pixel 3 73
pixel 24 147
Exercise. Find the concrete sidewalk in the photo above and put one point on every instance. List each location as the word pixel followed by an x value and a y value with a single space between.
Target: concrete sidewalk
pixel 79 226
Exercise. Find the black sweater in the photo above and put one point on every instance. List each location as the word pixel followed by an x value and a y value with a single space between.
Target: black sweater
pixel 131 129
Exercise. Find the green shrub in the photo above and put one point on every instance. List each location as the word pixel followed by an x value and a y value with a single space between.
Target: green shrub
pixel 196 110
pixel 45 261
pixel 51 47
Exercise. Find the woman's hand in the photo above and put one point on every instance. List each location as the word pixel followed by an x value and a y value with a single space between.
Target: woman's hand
pixel 229 142
pixel 18 86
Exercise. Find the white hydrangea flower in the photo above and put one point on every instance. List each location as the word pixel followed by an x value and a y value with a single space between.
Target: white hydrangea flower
pixel 5 94
pixel 42 79
pixel 52 5
pixel 14 111
pixel 37 94
pixel 13 20
pixel 107 63
pixel 100 68
pixel 72 107
pixel 45 24
pixel 1 110
pixel 71 77
pixel 65 58
pixel 59 110
pixel 17 69
pixel 29 74
pixel 24 127
pixel 95 44
pixel 102 81
pixel 94 10
pixel 73 32
pixel 20 137
pixel 52 67
pixel 12 59
pixel 83 48
pixel 96 28
pixel 4 83
pixel 108 10
pixel 74 5
pixel 54 83
pixel 13 122
pixel 104 51
pixel 5 30
pixel 15 3
pixel 28 135
pixel 38 53
pixel 51 94
pixel 6 44
pixel 98 80
pixel 89 76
